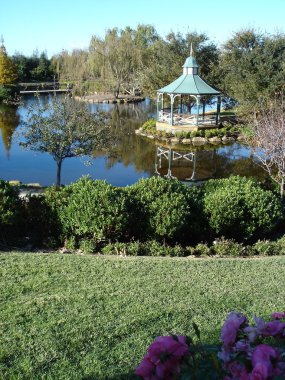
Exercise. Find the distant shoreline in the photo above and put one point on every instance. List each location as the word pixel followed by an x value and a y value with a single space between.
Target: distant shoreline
pixel 109 98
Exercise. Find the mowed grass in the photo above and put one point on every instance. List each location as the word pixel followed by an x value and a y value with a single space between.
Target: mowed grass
pixel 88 317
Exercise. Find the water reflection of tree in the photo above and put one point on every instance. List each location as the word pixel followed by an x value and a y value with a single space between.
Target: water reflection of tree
pixel 129 149
pixel 9 120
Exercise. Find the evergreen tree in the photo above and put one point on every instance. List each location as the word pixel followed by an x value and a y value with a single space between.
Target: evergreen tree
pixel 8 72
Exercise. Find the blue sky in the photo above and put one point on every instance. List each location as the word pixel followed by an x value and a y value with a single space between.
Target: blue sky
pixel 53 25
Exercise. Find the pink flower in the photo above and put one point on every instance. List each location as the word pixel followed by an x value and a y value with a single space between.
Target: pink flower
pixel 146 368
pixel 238 371
pixel 262 362
pixel 274 328
pixel 168 345
pixel 163 359
pixel 231 328
pixel 278 315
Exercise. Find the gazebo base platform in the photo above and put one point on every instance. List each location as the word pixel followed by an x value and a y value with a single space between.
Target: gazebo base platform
pixel 161 126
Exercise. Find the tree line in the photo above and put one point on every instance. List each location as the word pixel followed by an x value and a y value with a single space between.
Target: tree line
pixel 248 67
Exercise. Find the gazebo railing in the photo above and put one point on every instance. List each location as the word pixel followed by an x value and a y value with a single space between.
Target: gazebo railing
pixel 184 119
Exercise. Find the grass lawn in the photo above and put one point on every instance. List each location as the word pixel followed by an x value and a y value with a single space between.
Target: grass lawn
pixel 87 317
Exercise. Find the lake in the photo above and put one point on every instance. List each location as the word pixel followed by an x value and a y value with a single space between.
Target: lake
pixel 135 156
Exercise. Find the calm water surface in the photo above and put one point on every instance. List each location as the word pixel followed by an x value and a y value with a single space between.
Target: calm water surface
pixel 135 157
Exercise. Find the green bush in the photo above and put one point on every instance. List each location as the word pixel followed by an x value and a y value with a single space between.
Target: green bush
pixel 228 248
pixel 149 248
pixel 94 210
pixel 237 207
pixel 164 210
pixel 149 125
pixel 8 93
pixel 42 225
pixel 154 248
pixel 266 248
pixel 10 211
pixel 202 249
pixel 87 246
pixel 209 133
pixel 134 248
pixel 281 246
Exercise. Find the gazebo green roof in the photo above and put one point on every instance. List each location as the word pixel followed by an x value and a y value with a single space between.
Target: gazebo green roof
pixel 191 62
pixel 189 83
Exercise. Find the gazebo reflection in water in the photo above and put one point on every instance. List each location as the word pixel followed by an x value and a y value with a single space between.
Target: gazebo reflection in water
pixel 176 164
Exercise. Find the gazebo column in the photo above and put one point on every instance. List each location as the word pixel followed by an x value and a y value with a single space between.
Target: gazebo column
pixel 204 107
pixel 171 108
pixel 157 106
pixel 219 99
pixel 198 107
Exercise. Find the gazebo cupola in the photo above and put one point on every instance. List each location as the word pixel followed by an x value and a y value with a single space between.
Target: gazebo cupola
pixel 190 66
pixel 189 84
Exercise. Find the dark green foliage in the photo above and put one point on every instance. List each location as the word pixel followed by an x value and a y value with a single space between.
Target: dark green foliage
pixel 34 68
pixel 164 209
pixel 251 68
pixel 228 248
pixel 161 213
pixel 10 211
pixel 87 246
pixel 148 248
pixel 42 226
pixel 150 124
pixel 201 249
pixel 8 93
pixel 95 210
pixel 267 248
pixel 239 208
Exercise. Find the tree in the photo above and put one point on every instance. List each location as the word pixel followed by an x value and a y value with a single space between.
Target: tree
pixel 8 72
pixel 43 70
pixel 119 56
pixel 64 128
pixel 268 137
pixel 166 58
pixel 251 68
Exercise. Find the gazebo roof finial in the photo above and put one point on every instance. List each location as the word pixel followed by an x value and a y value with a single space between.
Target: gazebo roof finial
pixel 191 50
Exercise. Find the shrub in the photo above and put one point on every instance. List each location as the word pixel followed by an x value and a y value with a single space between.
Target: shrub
pixel 162 209
pixel 87 246
pixel 210 133
pixel 266 248
pixel 149 248
pixel 154 248
pixel 149 125
pixel 281 246
pixel 10 211
pixel 70 243
pixel 134 248
pixel 94 210
pixel 8 93
pixel 238 207
pixel 202 249
pixel 42 225
pixel 223 248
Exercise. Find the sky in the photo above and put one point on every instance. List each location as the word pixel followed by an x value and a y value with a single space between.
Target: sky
pixel 54 25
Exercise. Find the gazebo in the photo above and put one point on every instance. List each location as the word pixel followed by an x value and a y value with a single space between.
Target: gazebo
pixel 189 84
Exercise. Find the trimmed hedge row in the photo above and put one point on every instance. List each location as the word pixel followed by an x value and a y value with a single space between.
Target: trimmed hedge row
pixel 91 214
pixel 219 248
